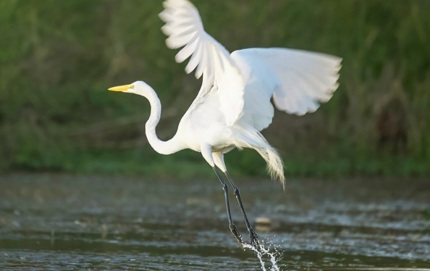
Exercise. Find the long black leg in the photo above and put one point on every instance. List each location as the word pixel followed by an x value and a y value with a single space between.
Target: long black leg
pixel 252 234
pixel 231 225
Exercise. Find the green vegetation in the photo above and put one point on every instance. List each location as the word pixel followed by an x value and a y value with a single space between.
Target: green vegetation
pixel 57 58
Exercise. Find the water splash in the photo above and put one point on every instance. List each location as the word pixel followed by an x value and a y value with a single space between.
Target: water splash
pixel 263 252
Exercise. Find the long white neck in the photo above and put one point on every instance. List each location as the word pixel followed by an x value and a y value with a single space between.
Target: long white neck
pixel 163 147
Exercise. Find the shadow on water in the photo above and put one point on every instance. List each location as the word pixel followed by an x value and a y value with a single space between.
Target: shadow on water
pixel 50 222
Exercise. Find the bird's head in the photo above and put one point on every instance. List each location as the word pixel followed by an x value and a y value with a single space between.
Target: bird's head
pixel 138 87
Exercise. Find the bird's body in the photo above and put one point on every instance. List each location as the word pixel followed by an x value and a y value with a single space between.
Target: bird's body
pixel 234 102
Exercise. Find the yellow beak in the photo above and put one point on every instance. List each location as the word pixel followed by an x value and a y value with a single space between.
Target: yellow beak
pixel 121 88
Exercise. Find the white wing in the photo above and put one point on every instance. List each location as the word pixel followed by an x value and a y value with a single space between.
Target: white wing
pixel 298 81
pixel 208 57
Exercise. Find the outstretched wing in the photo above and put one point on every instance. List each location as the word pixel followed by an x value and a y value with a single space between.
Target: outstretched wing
pixel 208 57
pixel 298 81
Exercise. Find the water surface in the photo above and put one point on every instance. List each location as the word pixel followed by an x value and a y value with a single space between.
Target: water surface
pixel 57 222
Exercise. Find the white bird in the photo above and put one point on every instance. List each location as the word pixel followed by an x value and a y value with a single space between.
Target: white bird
pixel 234 101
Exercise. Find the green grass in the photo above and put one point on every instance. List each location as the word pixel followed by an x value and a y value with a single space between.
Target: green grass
pixel 58 57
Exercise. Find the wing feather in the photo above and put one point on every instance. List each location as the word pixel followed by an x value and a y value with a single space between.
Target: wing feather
pixel 298 81
pixel 188 50
pixel 207 57
pixel 184 28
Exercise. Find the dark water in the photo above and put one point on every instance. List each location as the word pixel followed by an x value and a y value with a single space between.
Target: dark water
pixel 50 222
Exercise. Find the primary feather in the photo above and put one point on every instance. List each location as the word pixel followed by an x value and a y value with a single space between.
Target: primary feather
pixel 208 57
pixel 297 80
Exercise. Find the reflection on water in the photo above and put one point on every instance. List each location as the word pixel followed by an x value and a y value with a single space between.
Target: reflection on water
pixel 68 223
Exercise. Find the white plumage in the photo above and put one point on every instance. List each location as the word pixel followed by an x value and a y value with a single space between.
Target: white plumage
pixel 234 102
pixel 245 81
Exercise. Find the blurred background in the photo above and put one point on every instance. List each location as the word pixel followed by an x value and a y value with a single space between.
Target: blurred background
pixel 57 59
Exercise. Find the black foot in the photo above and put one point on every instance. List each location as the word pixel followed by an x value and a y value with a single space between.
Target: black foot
pixel 236 234
pixel 254 239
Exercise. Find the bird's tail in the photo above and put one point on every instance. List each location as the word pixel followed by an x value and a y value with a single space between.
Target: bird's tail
pixel 250 138
pixel 275 166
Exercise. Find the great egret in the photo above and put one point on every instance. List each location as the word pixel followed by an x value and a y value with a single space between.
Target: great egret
pixel 234 102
